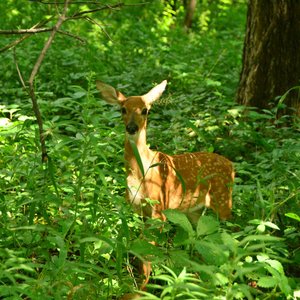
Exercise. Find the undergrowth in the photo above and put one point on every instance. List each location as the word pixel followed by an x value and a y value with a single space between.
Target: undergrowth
pixel 66 231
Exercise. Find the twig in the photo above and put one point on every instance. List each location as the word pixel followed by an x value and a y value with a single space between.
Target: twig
pixel 99 25
pixel 73 2
pixel 215 64
pixel 18 70
pixel 26 31
pixel 72 36
pixel 36 67
pixel 81 13
pixel 29 32
pixel 38 28
pixel 16 42
pixel 86 2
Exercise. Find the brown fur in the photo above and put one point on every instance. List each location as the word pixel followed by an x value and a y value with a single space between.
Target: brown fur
pixel 184 182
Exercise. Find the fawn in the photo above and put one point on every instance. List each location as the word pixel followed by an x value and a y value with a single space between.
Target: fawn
pixel 185 182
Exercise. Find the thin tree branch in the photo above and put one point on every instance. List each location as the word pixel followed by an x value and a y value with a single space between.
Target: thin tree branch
pixel 14 43
pixel 38 28
pixel 48 43
pixel 36 67
pixel 26 31
pixel 18 41
pixel 73 2
pixel 81 13
pixel 29 32
pixel 72 36
pixel 35 29
pixel 84 2
pixel 99 25
pixel 18 70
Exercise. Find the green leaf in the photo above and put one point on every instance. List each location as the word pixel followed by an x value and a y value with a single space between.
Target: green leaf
pixel 276 265
pixel 267 282
pixel 293 216
pixel 262 257
pixel 79 94
pixel 196 130
pixel 207 225
pixel 221 279
pixel 263 238
pixel 212 83
pixel 262 225
pixel 137 157
pixel 282 99
pixel 181 237
pixel 261 228
pixel 229 241
pixel 271 225
pixel 211 252
pixel 97 240
pixel 180 219
pixel 142 248
pixel 178 175
pixel 277 271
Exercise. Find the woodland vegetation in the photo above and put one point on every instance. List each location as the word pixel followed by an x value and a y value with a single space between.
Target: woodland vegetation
pixel 66 230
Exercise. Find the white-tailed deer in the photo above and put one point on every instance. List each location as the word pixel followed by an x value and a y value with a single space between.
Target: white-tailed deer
pixel 185 182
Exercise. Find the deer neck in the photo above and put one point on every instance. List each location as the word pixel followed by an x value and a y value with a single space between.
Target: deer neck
pixel 147 155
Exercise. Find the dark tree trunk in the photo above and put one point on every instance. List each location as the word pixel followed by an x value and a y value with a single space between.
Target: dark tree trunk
pixel 271 58
pixel 190 7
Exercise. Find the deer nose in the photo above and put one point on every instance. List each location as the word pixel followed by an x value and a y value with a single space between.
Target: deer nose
pixel 132 128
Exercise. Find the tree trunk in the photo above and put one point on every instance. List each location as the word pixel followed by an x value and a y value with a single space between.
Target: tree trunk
pixel 190 10
pixel 271 57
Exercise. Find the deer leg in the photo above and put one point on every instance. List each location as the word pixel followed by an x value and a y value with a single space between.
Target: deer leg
pixel 146 269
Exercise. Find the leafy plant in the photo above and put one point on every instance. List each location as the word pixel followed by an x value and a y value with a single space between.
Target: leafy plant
pixel 66 231
pixel 246 264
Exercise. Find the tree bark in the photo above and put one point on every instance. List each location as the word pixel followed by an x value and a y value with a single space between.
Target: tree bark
pixel 271 57
pixel 190 10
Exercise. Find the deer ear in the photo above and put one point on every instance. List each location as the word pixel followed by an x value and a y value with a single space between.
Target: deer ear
pixel 109 94
pixel 155 93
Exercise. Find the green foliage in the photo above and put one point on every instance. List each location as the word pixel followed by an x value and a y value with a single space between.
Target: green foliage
pixel 66 231
pixel 183 286
pixel 221 265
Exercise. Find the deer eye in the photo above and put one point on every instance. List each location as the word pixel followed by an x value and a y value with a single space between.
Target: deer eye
pixel 144 111
pixel 123 110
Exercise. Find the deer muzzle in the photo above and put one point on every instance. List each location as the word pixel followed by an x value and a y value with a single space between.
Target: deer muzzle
pixel 132 128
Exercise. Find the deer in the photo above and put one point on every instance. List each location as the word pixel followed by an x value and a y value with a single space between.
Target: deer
pixel 185 182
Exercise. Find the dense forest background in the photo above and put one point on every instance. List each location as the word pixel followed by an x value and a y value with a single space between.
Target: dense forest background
pixel 66 231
